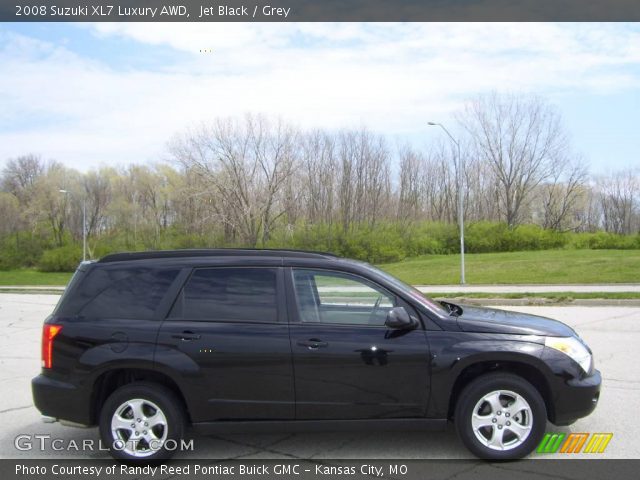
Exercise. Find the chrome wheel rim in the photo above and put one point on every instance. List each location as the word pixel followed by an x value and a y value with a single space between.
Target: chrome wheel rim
pixel 502 420
pixel 138 428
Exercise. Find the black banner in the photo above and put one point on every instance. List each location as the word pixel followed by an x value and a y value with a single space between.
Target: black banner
pixel 301 469
pixel 317 10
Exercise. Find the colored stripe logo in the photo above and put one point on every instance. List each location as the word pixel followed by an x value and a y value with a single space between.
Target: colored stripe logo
pixel 598 442
pixel 550 443
pixel 574 443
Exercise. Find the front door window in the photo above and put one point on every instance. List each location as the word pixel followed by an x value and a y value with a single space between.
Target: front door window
pixel 340 298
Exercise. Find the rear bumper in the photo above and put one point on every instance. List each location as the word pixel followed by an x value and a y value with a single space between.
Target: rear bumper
pixel 61 400
pixel 577 398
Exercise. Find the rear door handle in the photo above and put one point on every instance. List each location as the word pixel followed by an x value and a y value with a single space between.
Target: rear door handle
pixel 312 343
pixel 186 336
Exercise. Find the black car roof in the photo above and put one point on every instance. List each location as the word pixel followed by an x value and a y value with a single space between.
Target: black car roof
pixel 215 252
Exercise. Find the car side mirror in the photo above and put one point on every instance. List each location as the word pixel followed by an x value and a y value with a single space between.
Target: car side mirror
pixel 399 318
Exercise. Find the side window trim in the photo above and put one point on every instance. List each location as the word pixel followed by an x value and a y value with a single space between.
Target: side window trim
pixel 294 310
pixel 174 292
pixel 281 297
pixel 281 311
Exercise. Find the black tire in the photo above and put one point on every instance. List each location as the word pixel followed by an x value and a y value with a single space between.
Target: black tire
pixel 152 394
pixel 482 386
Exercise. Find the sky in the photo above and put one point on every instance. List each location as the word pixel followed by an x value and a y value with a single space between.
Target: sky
pixel 90 95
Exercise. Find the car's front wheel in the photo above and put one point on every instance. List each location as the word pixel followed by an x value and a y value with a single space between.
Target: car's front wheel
pixel 142 421
pixel 500 416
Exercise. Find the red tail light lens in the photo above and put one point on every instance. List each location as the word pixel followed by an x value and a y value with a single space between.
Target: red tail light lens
pixel 48 334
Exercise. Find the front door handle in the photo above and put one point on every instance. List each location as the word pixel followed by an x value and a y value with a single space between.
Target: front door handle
pixel 312 343
pixel 186 336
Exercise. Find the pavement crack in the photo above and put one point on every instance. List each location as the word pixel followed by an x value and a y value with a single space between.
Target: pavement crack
pixel 15 408
pixel 256 448
pixel 340 446
pixel 609 379
pixel 629 389
pixel 524 470
pixel 280 440
pixel 607 319
pixel 464 470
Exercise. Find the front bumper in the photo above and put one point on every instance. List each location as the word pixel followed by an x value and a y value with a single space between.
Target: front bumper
pixel 576 398
pixel 61 400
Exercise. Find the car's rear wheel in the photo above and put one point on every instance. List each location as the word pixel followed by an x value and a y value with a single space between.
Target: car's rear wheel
pixel 142 421
pixel 500 416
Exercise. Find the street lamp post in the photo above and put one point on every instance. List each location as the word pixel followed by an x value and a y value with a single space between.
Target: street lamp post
pixel 84 223
pixel 460 200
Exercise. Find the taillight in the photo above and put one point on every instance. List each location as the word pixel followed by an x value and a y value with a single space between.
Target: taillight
pixel 48 334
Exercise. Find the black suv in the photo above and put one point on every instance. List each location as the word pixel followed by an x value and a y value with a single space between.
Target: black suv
pixel 144 344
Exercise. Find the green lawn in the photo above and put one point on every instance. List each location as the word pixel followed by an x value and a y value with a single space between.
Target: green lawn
pixel 546 266
pixel 33 277
pixel 559 296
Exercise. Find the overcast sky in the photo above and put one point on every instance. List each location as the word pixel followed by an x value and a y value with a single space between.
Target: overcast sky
pixel 111 94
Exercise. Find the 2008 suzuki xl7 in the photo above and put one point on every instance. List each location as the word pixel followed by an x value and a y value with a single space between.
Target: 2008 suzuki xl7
pixel 144 344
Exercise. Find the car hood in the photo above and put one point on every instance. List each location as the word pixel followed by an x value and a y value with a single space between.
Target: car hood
pixel 491 320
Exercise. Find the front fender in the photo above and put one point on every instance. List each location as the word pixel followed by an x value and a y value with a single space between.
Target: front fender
pixel 453 352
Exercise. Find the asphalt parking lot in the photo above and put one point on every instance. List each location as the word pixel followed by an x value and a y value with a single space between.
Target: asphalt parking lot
pixel 612 332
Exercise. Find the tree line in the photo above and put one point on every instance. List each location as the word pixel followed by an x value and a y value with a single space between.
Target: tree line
pixel 256 181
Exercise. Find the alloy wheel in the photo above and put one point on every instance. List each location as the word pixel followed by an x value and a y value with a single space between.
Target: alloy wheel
pixel 138 427
pixel 502 420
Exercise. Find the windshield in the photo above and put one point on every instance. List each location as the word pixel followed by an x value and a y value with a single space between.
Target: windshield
pixel 416 294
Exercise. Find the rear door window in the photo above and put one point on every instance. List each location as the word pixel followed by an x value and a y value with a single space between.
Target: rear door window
pixel 229 295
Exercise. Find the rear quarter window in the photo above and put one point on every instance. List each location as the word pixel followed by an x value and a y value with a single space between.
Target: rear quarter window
pixel 127 294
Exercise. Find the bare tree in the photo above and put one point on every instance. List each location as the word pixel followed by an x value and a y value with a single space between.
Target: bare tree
pixel 364 182
pixel 618 198
pixel 47 205
pixel 247 164
pixel 589 211
pixel 410 201
pixel 256 182
pixel 319 165
pixel 481 191
pixel 20 175
pixel 9 213
pixel 521 139
pixel 560 196
pixel 439 185
pixel 97 194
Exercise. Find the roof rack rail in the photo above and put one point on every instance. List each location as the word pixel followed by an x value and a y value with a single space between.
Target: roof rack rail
pixel 213 252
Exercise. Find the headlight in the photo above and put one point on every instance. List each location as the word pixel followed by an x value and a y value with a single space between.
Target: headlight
pixel 573 348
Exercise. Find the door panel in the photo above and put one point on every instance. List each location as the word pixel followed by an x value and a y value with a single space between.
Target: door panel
pixel 232 371
pixel 359 372
pixel 228 339
pixel 347 363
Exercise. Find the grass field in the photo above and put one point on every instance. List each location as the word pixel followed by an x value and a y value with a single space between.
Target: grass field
pixel 33 277
pixel 546 266
pixel 558 296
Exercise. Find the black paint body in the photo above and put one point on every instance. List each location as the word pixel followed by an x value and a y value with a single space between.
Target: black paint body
pixel 288 370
